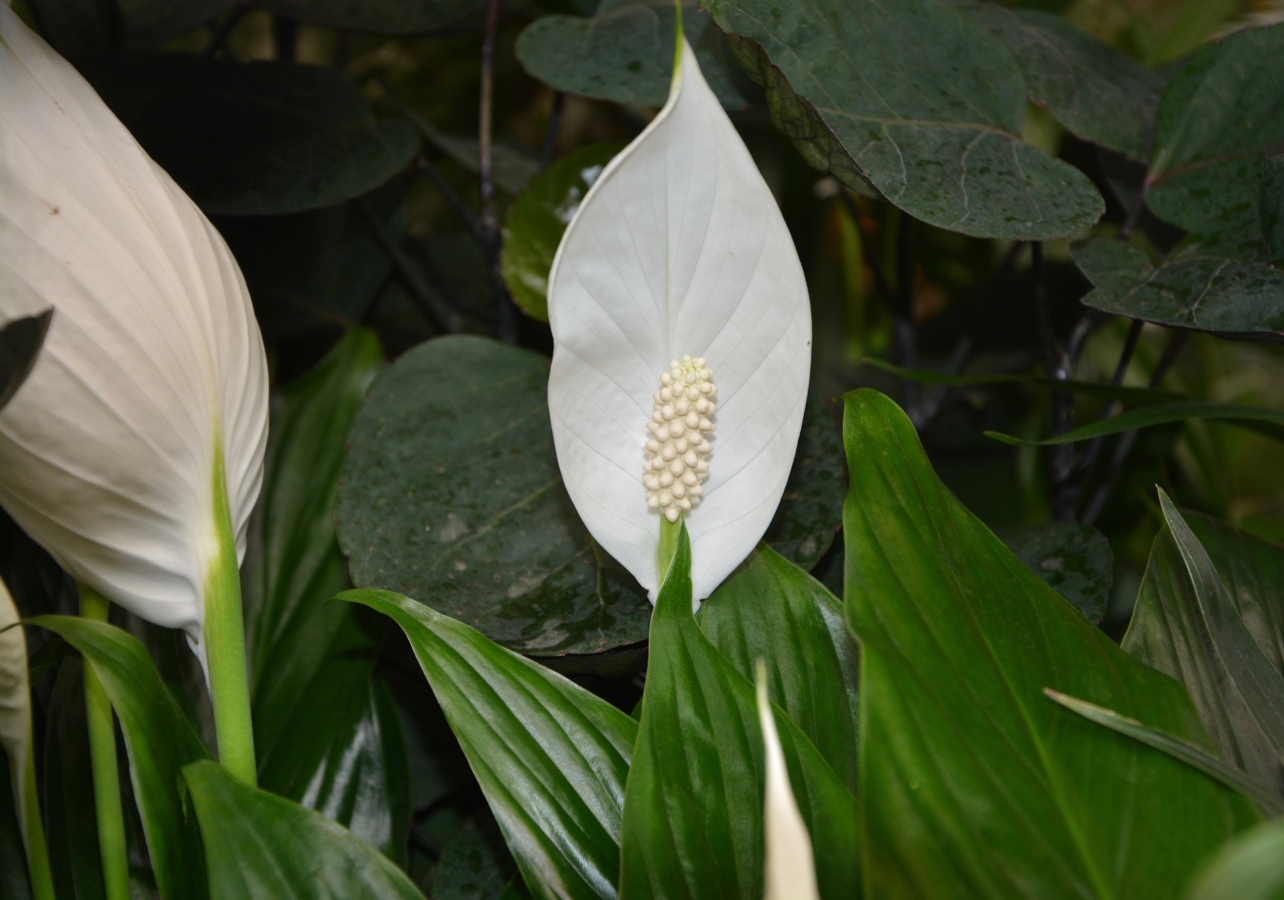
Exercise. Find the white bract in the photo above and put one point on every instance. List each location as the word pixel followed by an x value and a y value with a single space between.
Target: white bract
pixel 678 258
pixel 152 376
pixel 790 867
pixel 15 701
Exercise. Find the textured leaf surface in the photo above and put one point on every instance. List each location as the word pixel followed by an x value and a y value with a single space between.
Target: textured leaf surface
pixel 253 139
pixel 451 495
pixel 1074 560
pixel 261 845
pixel 551 758
pixel 973 782
pixel 916 100
pixel 693 812
pixel 811 509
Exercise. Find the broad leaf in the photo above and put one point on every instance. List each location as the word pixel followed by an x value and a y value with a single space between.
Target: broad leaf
pixel 1074 560
pixel 391 17
pixel 551 758
pixel 20 343
pixel 261 845
pixel 917 101
pixel 693 822
pixel 1268 421
pixel 625 52
pixel 538 217
pixel 973 783
pixel 1249 868
pixel 773 611
pixel 451 495
pixel 253 139
pixel 159 741
pixel 811 509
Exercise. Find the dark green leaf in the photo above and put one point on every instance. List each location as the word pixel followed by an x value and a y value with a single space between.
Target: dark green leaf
pixel 474 864
pixel 537 218
pixel 774 611
pixel 1090 87
pixel 14 883
pixel 261 138
pixel 551 758
pixel 451 495
pixel 1162 414
pixel 1220 114
pixel 260 845
pixel 970 778
pixel 811 509
pixel 392 17
pixel 1249 868
pixel 20 343
pixel 693 811
pixel 1271 207
pixel 916 100
pixel 1072 559
pixel 160 741
pixel 625 52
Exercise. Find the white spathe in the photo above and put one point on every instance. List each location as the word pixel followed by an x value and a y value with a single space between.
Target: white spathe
pixel 678 249
pixel 15 700
pixel 153 361
pixel 789 870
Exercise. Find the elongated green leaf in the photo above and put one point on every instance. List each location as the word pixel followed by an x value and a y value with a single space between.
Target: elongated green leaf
pixel 1160 414
pixel 693 824
pixel 854 84
pixel 551 758
pixel 1179 748
pixel 1089 388
pixel 1072 559
pixel 261 845
pixel 972 783
pixel 1249 868
pixel 773 611
pixel 160 741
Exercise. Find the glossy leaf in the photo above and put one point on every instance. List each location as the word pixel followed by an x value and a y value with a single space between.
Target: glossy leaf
pixel 625 52
pixel 390 17
pixel 973 783
pixel 261 138
pixel 538 217
pixel 551 758
pixel 261 845
pixel 693 823
pixel 1073 559
pixel 854 84
pixel 1249 868
pixel 20 343
pixel 770 610
pixel 159 741
pixel 1091 88
pixel 451 495
pixel 1161 414
pixel 811 508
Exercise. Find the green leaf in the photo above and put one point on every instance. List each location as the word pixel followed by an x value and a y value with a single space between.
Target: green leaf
pixel 1201 285
pixel 475 864
pixel 390 17
pixel 773 611
pixel 1271 207
pixel 625 52
pixel 1074 560
pixel 537 218
pixel 1220 114
pixel 1089 87
pixel 160 741
pixel 262 138
pixel 451 494
pixel 20 343
pixel 550 757
pixel 860 88
pixel 811 509
pixel 1249 868
pixel 1259 418
pixel 973 784
pixel 261 845
pixel 693 820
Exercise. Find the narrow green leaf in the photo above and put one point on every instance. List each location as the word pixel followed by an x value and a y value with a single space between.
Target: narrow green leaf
pixel 773 611
pixel 261 845
pixel 1249 868
pixel 159 740
pixel 551 758
pixel 693 824
pixel 972 783
pixel 1161 414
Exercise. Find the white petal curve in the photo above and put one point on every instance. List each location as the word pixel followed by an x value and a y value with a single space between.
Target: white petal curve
pixel 678 248
pixel 153 359
pixel 790 866
pixel 15 700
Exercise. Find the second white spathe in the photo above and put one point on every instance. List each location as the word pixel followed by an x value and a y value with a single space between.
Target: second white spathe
pixel 153 366
pixel 678 249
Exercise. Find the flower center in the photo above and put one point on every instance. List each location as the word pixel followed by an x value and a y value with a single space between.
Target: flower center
pixel 676 455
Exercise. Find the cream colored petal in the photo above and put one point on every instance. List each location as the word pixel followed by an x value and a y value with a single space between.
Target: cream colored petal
pixel 152 358
pixel 790 868
pixel 15 699
pixel 678 248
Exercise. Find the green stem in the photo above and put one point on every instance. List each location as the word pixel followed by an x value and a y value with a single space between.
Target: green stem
pixel 669 532
pixel 42 887
pixel 225 645
pixel 102 754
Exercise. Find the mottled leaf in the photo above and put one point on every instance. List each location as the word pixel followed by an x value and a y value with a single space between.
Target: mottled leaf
pixel 1073 559
pixel 811 509
pixel 1271 207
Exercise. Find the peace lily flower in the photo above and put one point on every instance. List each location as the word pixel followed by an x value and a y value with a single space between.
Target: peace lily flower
pixel 789 869
pixel 682 343
pixel 134 450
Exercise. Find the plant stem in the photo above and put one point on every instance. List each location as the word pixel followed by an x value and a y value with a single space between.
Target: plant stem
pixel 225 644
pixel 102 754
pixel 669 532
pixel 505 311
pixel 549 147
pixel 422 293
pixel 1054 366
